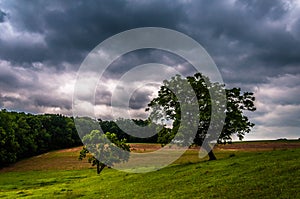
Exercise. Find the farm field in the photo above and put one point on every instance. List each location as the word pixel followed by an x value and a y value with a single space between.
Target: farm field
pixel 269 171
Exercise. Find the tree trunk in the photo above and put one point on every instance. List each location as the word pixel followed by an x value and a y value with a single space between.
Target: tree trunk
pixel 211 155
pixel 209 150
pixel 100 167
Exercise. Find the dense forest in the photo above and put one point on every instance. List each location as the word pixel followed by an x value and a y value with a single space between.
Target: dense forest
pixel 24 135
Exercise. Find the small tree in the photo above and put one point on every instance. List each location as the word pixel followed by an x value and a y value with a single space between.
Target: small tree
pixel 167 104
pixel 104 147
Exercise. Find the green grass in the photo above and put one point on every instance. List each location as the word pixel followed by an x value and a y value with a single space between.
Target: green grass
pixel 265 174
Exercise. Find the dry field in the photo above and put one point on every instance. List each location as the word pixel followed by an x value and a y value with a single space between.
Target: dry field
pixel 67 159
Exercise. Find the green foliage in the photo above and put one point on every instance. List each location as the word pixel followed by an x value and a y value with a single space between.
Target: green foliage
pixel 237 102
pixel 104 147
pixel 24 135
pixel 112 126
pixel 168 105
pixel 8 142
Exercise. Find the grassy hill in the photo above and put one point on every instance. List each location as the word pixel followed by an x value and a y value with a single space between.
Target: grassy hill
pixel 270 173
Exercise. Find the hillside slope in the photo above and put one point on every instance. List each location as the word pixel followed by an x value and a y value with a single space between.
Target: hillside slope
pixel 263 174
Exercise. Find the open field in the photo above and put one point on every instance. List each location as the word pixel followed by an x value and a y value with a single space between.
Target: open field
pixel 244 146
pixel 272 173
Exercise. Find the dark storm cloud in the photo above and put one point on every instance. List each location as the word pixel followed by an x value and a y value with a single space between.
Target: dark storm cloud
pixel 17 104
pixel 246 35
pixel 2 16
pixel 242 35
pixel 103 97
pixel 70 30
pixel 35 103
pixel 255 44
pixel 138 57
pixel 33 90
pixel 271 9
pixel 8 81
pixel 22 54
pixel 4 99
pixel 14 80
pixel 50 101
pixel 139 99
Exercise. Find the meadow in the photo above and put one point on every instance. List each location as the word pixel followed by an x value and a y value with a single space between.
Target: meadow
pixel 261 173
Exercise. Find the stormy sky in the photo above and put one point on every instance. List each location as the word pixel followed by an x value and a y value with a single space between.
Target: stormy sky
pixel 255 44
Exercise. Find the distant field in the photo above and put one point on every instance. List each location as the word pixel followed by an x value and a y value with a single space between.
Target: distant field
pixel 266 172
pixel 262 145
pixel 67 159
pixel 244 146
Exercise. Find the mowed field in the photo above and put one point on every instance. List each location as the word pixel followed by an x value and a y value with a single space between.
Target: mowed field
pixel 264 169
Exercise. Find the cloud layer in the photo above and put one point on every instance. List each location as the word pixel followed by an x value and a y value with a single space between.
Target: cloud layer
pixel 255 44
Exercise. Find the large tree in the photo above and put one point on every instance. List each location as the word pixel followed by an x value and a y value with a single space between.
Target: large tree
pixel 175 96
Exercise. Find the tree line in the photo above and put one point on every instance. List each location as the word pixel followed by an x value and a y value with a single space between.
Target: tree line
pixel 24 135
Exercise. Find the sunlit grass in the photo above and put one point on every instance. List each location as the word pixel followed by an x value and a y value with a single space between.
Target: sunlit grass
pixel 264 174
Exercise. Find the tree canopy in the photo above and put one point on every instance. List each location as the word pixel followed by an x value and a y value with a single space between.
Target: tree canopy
pixel 174 95
pixel 104 149
pixel 23 135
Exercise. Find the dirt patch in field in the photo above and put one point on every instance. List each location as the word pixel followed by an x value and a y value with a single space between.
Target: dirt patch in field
pixel 244 146
pixel 257 146
pixel 70 150
pixel 144 147
pixel 67 159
